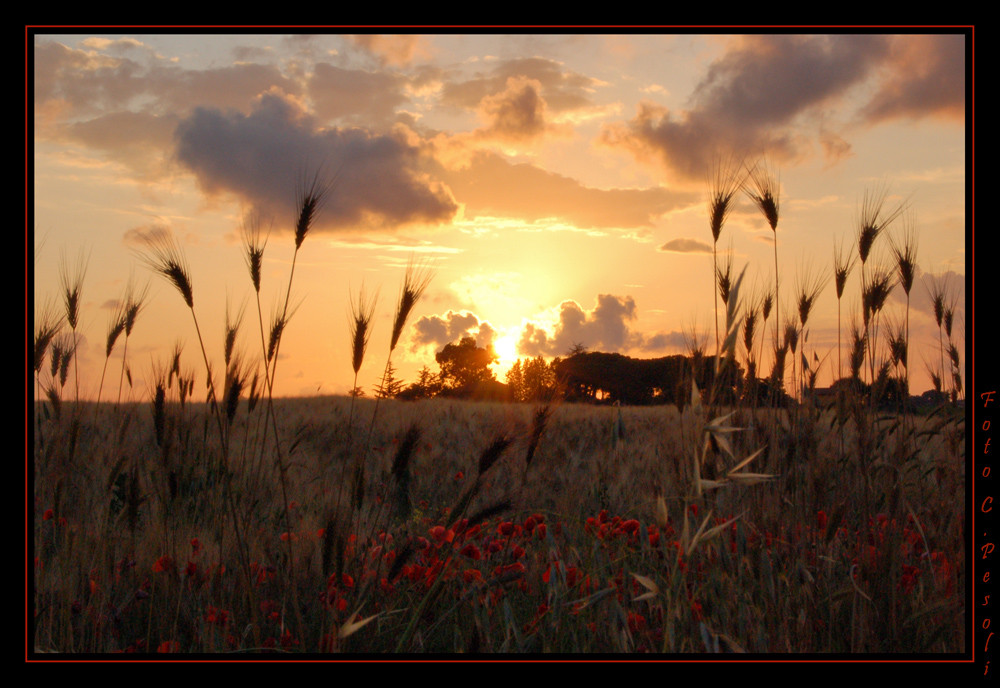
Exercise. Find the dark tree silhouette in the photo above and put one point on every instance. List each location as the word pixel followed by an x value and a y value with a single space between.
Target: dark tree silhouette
pixel 464 365
pixel 427 385
pixel 390 386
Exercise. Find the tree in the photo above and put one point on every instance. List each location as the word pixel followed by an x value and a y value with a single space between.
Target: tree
pixel 465 364
pixel 539 380
pixel 427 385
pixel 390 386
pixel 515 381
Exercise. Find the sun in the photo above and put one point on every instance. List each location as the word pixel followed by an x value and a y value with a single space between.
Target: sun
pixel 506 349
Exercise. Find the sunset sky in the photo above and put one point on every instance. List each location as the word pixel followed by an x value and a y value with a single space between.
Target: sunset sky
pixel 556 184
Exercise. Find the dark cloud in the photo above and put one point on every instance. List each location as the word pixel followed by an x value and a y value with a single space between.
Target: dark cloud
pixel 685 246
pixel 379 178
pixel 769 80
pixel 751 101
pixel 439 330
pixel 492 186
pixel 927 78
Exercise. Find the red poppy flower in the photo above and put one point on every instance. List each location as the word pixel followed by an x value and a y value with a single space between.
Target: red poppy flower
pixel 47 516
pixel 168 646
pixel 470 575
pixel 636 622
pixel 471 551
pixel 162 564
pixel 630 526
pixel 821 519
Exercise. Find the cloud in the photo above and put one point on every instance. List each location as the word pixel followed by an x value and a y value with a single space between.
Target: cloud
pixel 926 76
pixel 439 330
pixel 381 180
pixel 355 95
pixel 140 237
pixel 515 114
pixel 605 327
pixel 394 50
pixel 665 341
pixel 114 75
pixel 751 100
pixel 561 89
pixel 492 186
pixel 685 246
pixel 138 139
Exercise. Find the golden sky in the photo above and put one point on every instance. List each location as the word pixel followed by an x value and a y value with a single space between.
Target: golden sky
pixel 556 184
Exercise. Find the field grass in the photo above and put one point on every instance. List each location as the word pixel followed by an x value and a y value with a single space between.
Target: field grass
pixel 597 545
pixel 239 523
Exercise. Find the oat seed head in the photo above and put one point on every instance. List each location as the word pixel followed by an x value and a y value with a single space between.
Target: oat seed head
pixel 48 322
pixel 873 218
pixel 904 251
pixel 415 282
pixel 71 280
pixel 310 197
pixel 876 290
pixel 843 263
pixel 115 327
pixel 135 301
pixel 255 224
pixel 763 187
pixel 725 181
pixel 809 288
pixel 164 256
pixel 362 313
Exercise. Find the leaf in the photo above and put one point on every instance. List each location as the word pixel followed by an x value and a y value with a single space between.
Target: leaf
pixel 706 485
pixel 697 535
pixel 695 396
pixel 723 443
pixel 662 516
pixel 352 627
pixel 703 534
pixel 716 424
pixel 751 478
pixel 585 602
pixel 646 583
pixel 747 460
